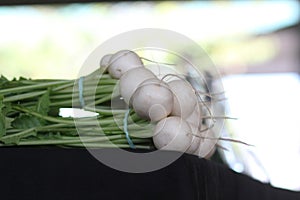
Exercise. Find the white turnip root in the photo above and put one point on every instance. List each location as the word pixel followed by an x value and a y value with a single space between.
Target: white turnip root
pixel 130 80
pixel 122 61
pixel 152 100
pixel 161 70
pixel 105 60
pixel 172 133
pixel 195 122
pixel 194 118
pixel 211 152
pixel 207 145
pixel 195 140
pixel 185 99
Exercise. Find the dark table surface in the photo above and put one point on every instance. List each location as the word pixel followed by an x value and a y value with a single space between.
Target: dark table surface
pixel 56 173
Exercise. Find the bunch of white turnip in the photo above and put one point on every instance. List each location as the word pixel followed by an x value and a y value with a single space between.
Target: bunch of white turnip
pixel 173 106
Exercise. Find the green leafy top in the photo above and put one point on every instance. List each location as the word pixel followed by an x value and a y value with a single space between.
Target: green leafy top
pixel 2 118
pixel 3 80
pixel 43 104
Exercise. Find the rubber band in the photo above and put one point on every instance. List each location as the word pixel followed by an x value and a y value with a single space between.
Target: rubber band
pixel 80 88
pixel 126 130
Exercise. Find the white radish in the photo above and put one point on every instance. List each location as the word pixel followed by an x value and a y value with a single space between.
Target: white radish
pixel 211 153
pixel 185 99
pixel 104 62
pixel 130 80
pixel 153 100
pixel 122 61
pixel 195 117
pixel 161 70
pixel 196 141
pixel 172 133
pixel 195 122
pixel 207 145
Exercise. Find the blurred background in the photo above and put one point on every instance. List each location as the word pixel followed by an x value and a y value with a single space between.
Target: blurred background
pixel 254 45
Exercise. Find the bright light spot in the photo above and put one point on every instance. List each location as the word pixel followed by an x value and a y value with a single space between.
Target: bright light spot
pixel 267 107
pixel 76 113
pixel 238 167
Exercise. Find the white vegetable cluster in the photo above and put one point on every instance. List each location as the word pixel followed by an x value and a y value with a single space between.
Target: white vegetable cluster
pixel 173 106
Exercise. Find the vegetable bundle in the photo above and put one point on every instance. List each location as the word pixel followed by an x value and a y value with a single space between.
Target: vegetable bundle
pixel 30 110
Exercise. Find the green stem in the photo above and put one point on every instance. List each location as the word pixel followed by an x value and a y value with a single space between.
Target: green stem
pixel 9 138
pixel 103 99
pixel 52 126
pixel 61 87
pixel 64 121
pixel 71 101
pixel 32 87
pixel 87 91
pixel 90 145
pixel 68 141
pixel 103 111
pixel 134 140
pixel 23 96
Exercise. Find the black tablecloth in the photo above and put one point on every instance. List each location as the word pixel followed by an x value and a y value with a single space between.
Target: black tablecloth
pixel 55 173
